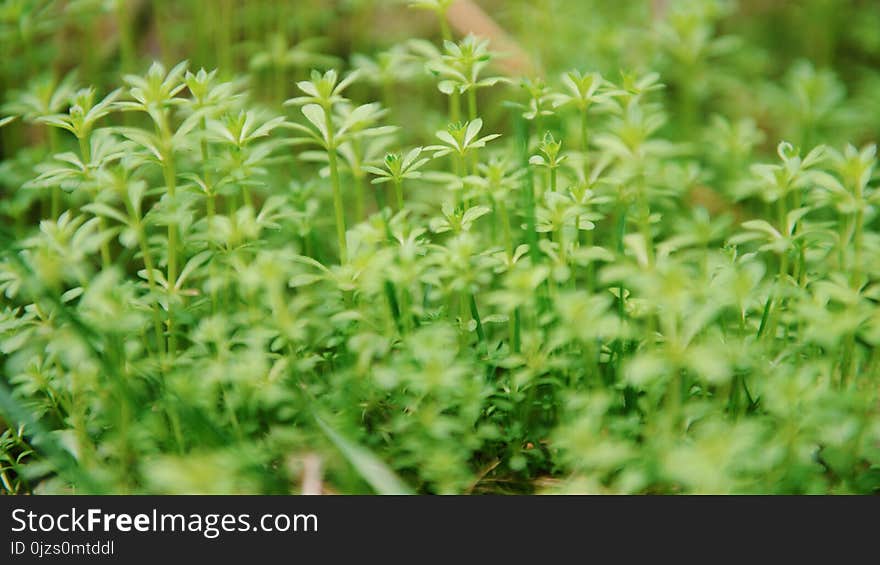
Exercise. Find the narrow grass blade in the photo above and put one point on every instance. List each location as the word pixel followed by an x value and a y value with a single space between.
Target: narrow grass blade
pixel 371 468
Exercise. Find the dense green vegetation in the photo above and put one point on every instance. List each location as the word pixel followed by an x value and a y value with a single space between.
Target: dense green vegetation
pixel 251 247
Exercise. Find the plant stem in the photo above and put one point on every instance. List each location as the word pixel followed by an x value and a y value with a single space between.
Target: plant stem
pixel 206 170
pixel 338 206
pixel 398 192
pixel 86 155
pixel 460 172
pixel 106 261
pixel 843 242
pixel 85 150
pixel 645 220
pixel 360 199
pixel 78 419
pixel 148 266
pixel 522 137
pixel 847 362
pixel 584 140
pixel 505 225
pixel 56 190
pixel 170 176
pixel 857 239
pixel 172 252
pixel 464 315
pixel 455 106
pixel 621 301
pixel 515 330
pixel 591 268
pixel 563 255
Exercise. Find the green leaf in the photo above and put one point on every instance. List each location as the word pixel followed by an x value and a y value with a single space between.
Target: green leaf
pixel 315 114
pixel 372 469
pixel 303 279
pixel 101 209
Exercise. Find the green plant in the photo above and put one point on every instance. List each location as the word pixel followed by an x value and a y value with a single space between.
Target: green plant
pixel 620 289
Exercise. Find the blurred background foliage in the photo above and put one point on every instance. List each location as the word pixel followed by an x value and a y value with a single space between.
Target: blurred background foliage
pixel 745 58
pixel 799 70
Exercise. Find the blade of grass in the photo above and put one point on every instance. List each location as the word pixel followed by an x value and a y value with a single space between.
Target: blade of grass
pixel 372 469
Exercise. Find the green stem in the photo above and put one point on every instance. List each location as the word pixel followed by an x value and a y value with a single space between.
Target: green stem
pixel 584 139
pixel 454 106
pixel 78 417
pixel 505 226
pixel 170 175
pixel 464 314
pixel 783 266
pixel 460 172
pixel 516 330
pixel 472 103
pixel 522 137
pixel 858 237
pixel 843 242
pixel 338 206
pixel 86 154
pixel 230 409
pixel 847 361
pixel 56 190
pixel 645 221
pixel 360 199
pixel 85 150
pixel 398 192
pixel 676 396
pixel 493 225
pixel 563 255
pixel 621 301
pixel 176 428
pixel 206 170
pixel 779 305
pixel 151 279
pixel 591 269
pixel 246 196
pixel 106 260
